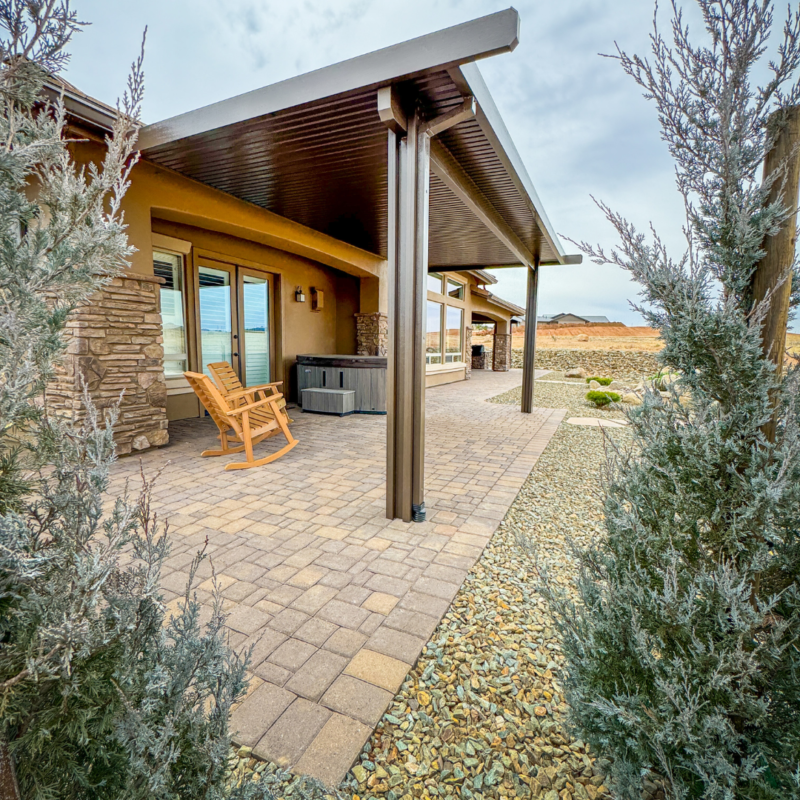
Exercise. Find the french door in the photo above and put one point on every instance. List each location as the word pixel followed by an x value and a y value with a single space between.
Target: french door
pixel 235 314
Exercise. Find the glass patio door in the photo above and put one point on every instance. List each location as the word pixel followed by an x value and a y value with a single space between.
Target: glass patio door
pixel 255 290
pixel 235 306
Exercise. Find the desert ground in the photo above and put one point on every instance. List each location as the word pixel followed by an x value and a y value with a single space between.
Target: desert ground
pixel 601 337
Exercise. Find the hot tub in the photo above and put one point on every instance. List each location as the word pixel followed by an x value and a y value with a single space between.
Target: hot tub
pixel 365 375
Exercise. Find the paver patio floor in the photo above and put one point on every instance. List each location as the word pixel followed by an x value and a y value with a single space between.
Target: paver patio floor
pixel 336 600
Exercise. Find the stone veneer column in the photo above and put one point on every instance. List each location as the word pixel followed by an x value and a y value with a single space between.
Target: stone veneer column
pixel 115 344
pixel 372 333
pixel 501 352
pixel 468 350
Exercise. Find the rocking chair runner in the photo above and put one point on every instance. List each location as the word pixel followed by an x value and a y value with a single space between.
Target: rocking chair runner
pixel 228 383
pixel 248 423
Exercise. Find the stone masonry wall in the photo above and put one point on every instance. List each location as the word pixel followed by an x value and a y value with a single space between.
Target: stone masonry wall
pixel 468 351
pixel 115 344
pixel 501 352
pixel 612 363
pixel 372 334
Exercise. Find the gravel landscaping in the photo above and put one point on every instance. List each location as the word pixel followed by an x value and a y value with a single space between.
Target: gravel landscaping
pixel 482 713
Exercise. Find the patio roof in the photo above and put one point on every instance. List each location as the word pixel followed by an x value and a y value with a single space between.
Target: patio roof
pixel 314 149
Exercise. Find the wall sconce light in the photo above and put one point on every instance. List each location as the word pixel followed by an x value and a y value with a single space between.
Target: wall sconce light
pixel 317 299
pixel 298 295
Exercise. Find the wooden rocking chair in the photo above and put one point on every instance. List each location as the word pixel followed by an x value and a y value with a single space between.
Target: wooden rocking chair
pixel 247 423
pixel 228 383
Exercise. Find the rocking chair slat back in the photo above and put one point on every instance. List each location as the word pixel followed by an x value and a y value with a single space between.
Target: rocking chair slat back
pixel 224 376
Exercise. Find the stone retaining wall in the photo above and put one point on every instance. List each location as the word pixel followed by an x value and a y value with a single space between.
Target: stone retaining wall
pixel 603 362
pixel 115 345
pixel 613 363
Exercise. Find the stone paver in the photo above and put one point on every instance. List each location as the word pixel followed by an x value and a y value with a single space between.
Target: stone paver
pixel 378 669
pixel 336 601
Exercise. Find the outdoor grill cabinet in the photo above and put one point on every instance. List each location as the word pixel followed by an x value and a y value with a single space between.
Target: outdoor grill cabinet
pixel 364 375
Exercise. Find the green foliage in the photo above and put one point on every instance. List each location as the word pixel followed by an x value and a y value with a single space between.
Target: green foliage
pixel 662 379
pixel 601 399
pixel 682 652
pixel 601 381
pixel 99 698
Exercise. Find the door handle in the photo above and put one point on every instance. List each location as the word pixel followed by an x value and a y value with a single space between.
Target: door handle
pixel 236 355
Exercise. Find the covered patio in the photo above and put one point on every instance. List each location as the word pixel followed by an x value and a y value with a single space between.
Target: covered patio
pixel 337 600
pixel 398 157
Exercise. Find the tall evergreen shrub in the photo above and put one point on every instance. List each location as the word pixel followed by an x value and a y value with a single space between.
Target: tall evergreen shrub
pixel 98 697
pixel 683 652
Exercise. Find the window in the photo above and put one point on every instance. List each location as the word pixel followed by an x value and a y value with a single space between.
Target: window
pixel 455 289
pixel 433 334
pixel 169 266
pixel 435 281
pixel 444 339
pixel 454 334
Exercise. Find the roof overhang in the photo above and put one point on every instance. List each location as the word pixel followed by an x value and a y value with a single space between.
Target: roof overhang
pixel 314 150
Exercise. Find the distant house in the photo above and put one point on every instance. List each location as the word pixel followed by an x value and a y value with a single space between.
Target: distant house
pixel 570 319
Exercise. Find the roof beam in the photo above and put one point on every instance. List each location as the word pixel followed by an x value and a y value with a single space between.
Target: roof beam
pixel 390 110
pixel 453 175
pixel 465 111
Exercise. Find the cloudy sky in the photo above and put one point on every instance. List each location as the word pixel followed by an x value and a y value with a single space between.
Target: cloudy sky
pixel 581 126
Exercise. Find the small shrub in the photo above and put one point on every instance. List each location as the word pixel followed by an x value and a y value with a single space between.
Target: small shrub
pixel 662 379
pixel 601 381
pixel 601 399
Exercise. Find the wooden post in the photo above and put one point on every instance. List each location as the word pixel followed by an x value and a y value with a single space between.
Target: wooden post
pixel 9 788
pixel 529 347
pixel 772 277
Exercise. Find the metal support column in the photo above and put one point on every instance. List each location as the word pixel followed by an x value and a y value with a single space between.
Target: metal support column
pixel 392 161
pixel 422 198
pixel 408 267
pixel 529 351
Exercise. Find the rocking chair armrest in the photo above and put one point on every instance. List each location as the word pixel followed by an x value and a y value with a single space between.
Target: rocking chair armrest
pixel 252 390
pixel 257 404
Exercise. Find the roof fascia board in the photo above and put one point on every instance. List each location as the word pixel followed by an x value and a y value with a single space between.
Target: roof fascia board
pixel 505 304
pixel 491 123
pixel 81 107
pixel 483 277
pixel 442 50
